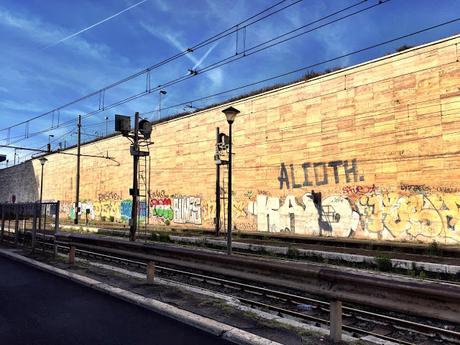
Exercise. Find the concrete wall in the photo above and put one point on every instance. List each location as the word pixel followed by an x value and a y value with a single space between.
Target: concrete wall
pixel 379 141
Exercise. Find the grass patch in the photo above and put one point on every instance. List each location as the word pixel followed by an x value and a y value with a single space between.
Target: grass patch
pixel 292 252
pixel 383 263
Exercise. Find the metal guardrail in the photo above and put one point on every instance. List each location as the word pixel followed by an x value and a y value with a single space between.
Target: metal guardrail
pixel 409 296
pixel 19 218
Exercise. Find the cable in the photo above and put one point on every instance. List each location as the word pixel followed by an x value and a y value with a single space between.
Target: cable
pixel 208 68
pixel 316 64
pixel 167 60
pixel 302 69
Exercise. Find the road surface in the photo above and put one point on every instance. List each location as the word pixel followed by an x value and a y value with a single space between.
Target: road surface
pixel 39 308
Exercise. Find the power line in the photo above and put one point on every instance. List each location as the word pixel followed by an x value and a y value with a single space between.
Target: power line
pixel 308 67
pixel 302 69
pixel 206 69
pixel 202 44
pixel 319 63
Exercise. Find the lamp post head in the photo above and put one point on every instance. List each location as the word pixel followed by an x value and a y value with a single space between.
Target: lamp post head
pixel 43 160
pixel 230 114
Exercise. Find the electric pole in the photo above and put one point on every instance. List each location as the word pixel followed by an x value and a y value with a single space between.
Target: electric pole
pixel 135 190
pixel 217 186
pixel 77 182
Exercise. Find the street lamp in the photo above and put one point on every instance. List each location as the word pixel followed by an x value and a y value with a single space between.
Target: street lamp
pixel 106 125
pixel 49 143
pixel 161 93
pixel 230 114
pixel 43 160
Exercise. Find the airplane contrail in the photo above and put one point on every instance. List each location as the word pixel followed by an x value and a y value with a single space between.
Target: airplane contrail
pixel 198 63
pixel 92 26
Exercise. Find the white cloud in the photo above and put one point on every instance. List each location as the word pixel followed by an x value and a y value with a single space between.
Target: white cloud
pixel 44 34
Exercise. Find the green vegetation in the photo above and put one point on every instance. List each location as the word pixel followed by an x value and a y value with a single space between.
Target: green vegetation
pixel 434 249
pixel 383 263
pixel 160 236
pixel 292 252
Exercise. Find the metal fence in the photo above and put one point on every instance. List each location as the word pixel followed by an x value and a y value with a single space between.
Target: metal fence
pixel 23 223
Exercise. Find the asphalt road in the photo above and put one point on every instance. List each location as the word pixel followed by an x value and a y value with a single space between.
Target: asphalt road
pixel 39 308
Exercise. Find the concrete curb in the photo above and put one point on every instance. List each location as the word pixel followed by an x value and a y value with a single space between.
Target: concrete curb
pixel 216 328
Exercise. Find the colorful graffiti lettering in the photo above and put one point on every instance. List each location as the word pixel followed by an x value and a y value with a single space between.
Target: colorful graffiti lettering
pixel 321 171
pixel 187 209
pixel 161 208
pixel 86 207
pixel 373 214
pixel 426 216
pixel 125 209
pixel 336 217
pixel 354 191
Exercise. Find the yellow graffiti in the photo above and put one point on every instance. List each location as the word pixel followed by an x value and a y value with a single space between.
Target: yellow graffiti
pixel 238 209
pixel 209 210
pixel 431 216
pixel 107 208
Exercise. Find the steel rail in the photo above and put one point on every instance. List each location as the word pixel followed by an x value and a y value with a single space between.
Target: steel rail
pixel 298 272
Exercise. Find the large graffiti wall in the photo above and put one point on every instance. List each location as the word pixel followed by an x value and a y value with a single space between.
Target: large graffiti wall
pixel 160 208
pixel 412 213
pixel 368 151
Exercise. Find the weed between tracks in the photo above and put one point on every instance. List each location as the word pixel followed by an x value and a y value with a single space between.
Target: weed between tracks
pixel 382 262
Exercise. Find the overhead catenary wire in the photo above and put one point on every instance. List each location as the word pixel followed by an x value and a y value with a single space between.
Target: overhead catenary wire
pixel 183 78
pixel 195 47
pixel 308 67
pixel 323 62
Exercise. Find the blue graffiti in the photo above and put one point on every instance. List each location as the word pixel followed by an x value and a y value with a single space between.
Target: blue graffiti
pixel 125 209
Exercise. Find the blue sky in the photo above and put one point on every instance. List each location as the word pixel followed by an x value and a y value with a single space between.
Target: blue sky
pixel 45 64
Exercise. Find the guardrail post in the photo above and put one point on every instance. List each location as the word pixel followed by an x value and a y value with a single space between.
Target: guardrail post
pixel 335 311
pixel 56 226
pixel 16 226
pixel 34 227
pixel 3 220
pixel 72 255
pixel 150 272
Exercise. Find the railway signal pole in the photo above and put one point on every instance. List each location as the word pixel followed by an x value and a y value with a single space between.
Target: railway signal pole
pixel 135 189
pixel 144 127
pixel 77 180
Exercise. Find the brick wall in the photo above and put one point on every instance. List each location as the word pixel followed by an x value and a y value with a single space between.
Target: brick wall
pixel 379 141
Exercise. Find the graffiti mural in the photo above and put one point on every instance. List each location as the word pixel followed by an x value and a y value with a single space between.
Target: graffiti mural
pixel 318 174
pixel 107 206
pixel 86 207
pixel 187 209
pixel 420 216
pixel 419 213
pixel 335 218
pixel 162 208
pixel 125 209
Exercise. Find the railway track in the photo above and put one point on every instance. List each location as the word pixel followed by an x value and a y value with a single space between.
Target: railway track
pixel 286 239
pixel 358 322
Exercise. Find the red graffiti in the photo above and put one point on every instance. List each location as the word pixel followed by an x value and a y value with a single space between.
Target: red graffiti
pixel 160 202
pixel 358 190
